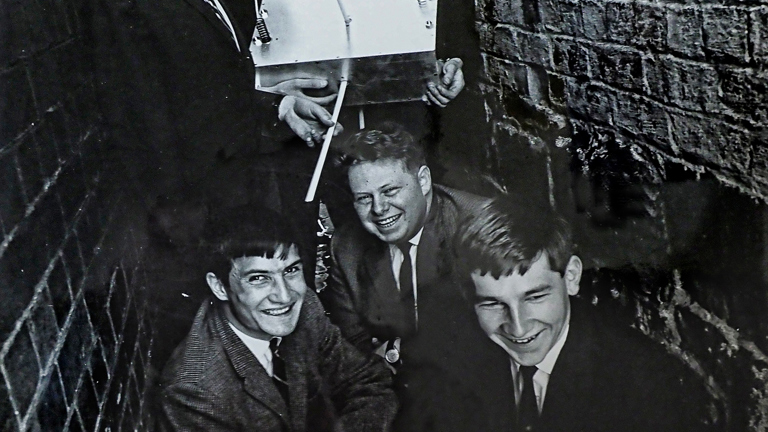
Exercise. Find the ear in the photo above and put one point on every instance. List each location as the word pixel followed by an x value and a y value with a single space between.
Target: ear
pixel 425 179
pixel 573 275
pixel 217 288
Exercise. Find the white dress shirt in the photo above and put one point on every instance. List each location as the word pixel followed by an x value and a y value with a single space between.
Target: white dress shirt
pixel 541 377
pixel 259 348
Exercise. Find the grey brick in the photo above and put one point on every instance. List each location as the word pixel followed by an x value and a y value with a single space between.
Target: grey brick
pixel 620 67
pixel 650 27
pixel 725 33
pixel 746 92
pixel 713 143
pixel 43 327
pixel 759 35
pixel 692 86
pixel 593 20
pixel 684 32
pixel 620 17
pixel 643 119
pixel 23 370
pixel 520 46
pixel 509 12
pixel 570 57
pixel 570 15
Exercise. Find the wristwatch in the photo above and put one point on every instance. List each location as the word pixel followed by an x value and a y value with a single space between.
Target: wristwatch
pixel 392 354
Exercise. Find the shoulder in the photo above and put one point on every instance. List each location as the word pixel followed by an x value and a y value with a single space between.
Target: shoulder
pixel 200 360
pixel 351 240
pixel 460 200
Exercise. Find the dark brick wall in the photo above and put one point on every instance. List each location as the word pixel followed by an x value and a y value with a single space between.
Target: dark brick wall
pixel 647 123
pixel 75 337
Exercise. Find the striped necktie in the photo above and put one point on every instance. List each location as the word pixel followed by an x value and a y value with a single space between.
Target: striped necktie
pixel 224 19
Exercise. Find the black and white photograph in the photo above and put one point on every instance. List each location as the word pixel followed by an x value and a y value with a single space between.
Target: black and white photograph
pixel 384 215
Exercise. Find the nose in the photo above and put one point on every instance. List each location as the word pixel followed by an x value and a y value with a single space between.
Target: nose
pixel 380 205
pixel 515 323
pixel 280 293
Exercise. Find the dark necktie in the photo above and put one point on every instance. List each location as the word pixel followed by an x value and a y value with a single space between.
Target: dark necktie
pixel 278 370
pixel 528 409
pixel 407 299
pixel 221 18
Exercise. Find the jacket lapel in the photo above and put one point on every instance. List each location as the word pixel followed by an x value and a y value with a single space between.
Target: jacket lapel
pixel 382 299
pixel 214 20
pixel 256 381
pixel 572 378
pixel 294 354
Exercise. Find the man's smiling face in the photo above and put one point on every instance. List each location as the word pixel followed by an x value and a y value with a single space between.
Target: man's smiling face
pixel 391 201
pixel 525 314
pixel 265 294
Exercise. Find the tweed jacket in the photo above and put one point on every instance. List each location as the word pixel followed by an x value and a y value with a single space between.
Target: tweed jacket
pixel 362 292
pixel 606 378
pixel 214 383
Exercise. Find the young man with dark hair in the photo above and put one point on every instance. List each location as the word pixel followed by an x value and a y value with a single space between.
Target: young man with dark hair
pixel 382 286
pixel 553 365
pixel 261 354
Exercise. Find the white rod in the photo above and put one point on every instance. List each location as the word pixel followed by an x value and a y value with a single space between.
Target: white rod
pixel 347 18
pixel 326 144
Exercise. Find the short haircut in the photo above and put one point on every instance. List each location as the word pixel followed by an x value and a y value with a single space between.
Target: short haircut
pixel 245 231
pixel 388 141
pixel 509 234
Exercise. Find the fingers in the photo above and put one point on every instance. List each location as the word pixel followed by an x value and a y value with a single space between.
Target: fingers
pixel 321 100
pixel 309 83
pixel 309 109
pixel 450 68
pixel 435 96
pixel 301 128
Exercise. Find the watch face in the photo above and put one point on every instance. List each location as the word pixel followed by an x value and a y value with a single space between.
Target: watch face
pixel 392 355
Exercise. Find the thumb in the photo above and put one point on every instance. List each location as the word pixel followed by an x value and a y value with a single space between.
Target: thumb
pixel 311 83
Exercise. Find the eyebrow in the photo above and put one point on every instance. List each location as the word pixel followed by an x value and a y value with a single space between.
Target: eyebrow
pixel 260 271
pixel 538 289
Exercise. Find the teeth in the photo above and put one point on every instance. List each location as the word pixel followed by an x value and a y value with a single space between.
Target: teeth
pixel 522 341
pixel 275 312
pixel 388 222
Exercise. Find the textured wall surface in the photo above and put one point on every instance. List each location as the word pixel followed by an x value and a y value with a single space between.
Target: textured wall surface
pixel 75 338
pixel 647 123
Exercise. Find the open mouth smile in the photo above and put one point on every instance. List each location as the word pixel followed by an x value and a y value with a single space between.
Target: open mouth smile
pixel 278 311
pixel 522 341
pixel 388 222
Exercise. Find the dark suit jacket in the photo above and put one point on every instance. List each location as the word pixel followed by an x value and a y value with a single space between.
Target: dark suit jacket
pixel 605 379
pixel 362 293
pixel 214 383
pixel 176 94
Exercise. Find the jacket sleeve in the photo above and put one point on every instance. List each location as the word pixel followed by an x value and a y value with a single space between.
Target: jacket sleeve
pixel 185 407
pixel 359 384
pixel 340 304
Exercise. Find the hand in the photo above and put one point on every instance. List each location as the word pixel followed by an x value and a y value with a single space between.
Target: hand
pixel 450 84
pixel 306 119
pixel 296 87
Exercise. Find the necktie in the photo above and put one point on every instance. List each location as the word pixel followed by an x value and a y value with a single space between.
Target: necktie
pixel 278 370
pixel 528 409
pixel 407 299
pixel 220 16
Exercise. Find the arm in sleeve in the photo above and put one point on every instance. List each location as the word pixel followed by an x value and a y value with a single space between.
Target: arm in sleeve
pixel 185 407
pixel 340 304
pixel 360 386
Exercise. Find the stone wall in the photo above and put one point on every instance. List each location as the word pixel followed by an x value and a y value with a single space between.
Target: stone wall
pixel 74 334
pixel 647 123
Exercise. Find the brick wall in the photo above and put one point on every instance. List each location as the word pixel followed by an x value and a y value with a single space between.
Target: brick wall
pixel 74 334
pixel 647 122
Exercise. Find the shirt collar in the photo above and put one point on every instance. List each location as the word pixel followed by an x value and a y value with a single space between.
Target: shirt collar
pixel 548 363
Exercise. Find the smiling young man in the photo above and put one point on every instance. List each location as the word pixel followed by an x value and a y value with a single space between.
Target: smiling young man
pixel 261 354
pixel 383 280
pixel 549 362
